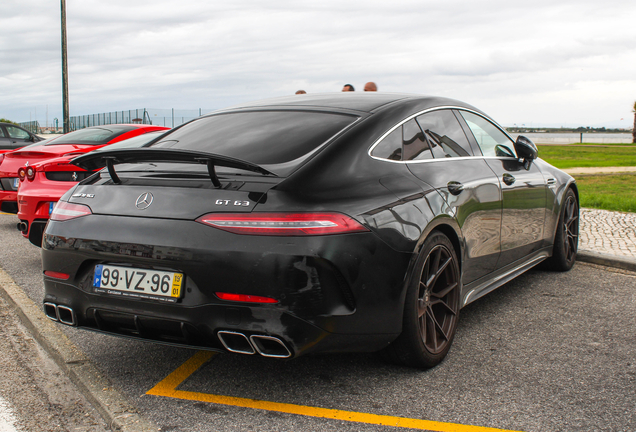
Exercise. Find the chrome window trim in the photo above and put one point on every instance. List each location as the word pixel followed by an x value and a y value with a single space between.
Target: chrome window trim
pixel 445 107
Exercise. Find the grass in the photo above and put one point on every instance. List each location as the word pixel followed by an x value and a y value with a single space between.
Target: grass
pixel 574 156
pixel 608 192
pixel 616 192
pixel 602 145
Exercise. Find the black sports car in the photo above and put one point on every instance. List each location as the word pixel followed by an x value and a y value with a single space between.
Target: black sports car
pixel 311 223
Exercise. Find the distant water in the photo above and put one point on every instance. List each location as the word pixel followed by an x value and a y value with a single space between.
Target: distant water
pixel 572 138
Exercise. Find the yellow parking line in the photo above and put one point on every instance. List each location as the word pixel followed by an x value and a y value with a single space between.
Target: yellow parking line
pixel 168 388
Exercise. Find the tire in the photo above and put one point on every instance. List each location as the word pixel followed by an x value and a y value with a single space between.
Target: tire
pixel 431 307
pixel 566 240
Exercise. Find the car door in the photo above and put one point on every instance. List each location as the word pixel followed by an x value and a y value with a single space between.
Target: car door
pixel 524 190
pixel 436 150
pixel 4 139
pixel 17 137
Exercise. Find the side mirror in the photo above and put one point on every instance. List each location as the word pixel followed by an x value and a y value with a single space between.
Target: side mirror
pixel 526 150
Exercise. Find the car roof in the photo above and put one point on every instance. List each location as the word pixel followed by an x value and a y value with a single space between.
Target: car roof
pixel 352 101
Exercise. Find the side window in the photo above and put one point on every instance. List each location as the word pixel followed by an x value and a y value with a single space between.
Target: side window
pixel 1 133
pixel 444 134
pixel 414 145
pixel 491 141
pixel 15 132
pixel 390 147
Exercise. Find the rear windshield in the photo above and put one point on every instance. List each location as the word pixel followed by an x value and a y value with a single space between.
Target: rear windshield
pixel 90 136
pixel 278 139
pixel 133 142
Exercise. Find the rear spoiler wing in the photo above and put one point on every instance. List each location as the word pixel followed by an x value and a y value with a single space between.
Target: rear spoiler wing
pixel 105 158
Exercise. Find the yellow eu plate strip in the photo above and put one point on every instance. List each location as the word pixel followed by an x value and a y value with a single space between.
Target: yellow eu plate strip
pixel 176 285
pixel 168 388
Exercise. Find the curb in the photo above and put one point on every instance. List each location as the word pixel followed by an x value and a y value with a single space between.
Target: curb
pixel 118 413
pixel 608 260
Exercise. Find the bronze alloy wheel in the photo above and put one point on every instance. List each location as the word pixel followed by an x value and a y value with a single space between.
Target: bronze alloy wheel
pixel 570 228
pixel 431 308
pixel 566 238
pixel 438 299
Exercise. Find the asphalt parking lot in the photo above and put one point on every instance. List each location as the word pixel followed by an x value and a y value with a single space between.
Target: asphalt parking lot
pixel 546 352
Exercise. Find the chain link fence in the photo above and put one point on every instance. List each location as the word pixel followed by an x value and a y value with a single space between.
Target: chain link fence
pixel 32 126
pixel 158 117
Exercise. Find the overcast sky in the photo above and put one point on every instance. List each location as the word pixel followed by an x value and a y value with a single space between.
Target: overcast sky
pixel 540 62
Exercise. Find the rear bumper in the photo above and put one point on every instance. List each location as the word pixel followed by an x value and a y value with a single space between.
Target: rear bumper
pixel 35 201
pixel 8 201
pixel 336 293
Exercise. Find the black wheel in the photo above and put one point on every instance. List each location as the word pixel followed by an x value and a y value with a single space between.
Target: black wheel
pixel 566 240
pixel 431 308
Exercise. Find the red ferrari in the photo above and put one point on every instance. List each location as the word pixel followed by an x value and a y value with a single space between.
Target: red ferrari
pixel 58 176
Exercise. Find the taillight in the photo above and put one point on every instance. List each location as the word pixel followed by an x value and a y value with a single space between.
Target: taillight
pixel 64 211
pixel 22 173
pixel 283 224
pixel 30 173
pixel 245 298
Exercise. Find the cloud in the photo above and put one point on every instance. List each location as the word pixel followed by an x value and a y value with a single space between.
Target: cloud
pixel 566 61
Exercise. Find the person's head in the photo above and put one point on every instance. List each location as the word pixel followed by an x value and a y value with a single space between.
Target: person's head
pixel 301 92
pixel 370 86
pixel 348 87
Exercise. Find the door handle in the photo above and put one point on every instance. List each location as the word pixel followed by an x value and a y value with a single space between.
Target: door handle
pixel 508 179
pixel 455 188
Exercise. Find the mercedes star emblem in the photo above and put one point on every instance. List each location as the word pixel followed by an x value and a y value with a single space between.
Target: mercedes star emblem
pixel 144 201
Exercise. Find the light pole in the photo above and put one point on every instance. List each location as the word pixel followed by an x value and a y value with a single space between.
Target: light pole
pixel 64 72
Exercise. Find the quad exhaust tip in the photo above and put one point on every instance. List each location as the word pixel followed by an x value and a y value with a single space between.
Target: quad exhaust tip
pixel 267 346
pixel 236 342
pixel 59 313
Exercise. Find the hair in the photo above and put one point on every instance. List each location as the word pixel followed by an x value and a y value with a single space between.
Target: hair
pixel 349 85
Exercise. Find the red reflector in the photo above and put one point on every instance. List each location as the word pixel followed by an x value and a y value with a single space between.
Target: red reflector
pixel 245 298
pixel 56 275
pixel 283 224
pixel 64 211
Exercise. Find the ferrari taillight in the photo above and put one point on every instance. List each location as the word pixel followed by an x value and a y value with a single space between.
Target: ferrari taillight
pixel 64 211
pixel 22 173
pixel 30 173
pixel 283 224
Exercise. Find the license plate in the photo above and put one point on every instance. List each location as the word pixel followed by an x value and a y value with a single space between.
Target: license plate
pixel 16 182
pixel 139 283
pixel 51 206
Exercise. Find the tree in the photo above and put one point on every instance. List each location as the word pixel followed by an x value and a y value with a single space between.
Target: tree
pixel 634 129
pixel 3 120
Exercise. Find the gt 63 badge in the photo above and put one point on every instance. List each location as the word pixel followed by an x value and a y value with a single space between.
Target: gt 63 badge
pixel 232 202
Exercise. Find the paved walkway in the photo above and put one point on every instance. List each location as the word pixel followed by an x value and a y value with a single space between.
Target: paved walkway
pixel 608 232
pixel 600 170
